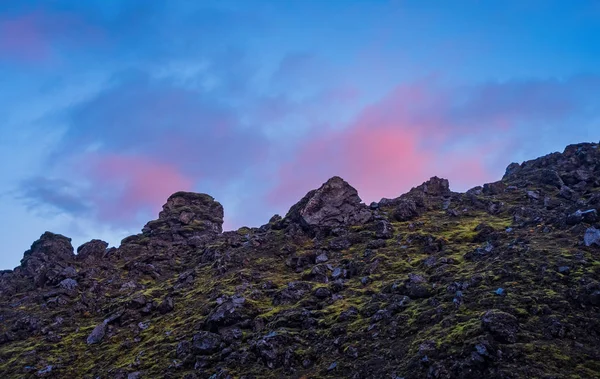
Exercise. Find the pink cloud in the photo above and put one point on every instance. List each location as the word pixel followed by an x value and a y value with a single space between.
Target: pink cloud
pixel 125 185
pixel 23 38
pixel 38 36
pixel 391 146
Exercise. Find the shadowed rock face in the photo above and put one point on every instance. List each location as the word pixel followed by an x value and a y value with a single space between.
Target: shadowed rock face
pixel 334 204
pixel 47 258
pixel 92 250
pixel 50 247
pixel 576 168
pixel 498 282
pixel 187 215
pixel 433 187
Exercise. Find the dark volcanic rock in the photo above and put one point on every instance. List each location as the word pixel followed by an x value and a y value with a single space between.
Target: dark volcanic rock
pixel 47 259
pixel 97 334
pixel 334 204
pixel 167 305
pixel 433 187
pixel 187 215
pixel 230 311
pixel 94 249
pixel 592 237
pixel 503 326
pixel 495 188
pixel 206 343
pixel 405 210
pixel 322 293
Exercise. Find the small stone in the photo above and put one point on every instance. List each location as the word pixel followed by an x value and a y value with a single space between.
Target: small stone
pixel 166 305
pixel 337 272
pixel 68 284
pixel 322 293
pixel 45 371
pixel 575 218
pixel 564 270
pixel 183 349
pixel 591 237
pixel 481 349
pixel 566 193
pixel 321 258
pixel 69 272
pixel 97 334
pixel 332 366
pixel 590 216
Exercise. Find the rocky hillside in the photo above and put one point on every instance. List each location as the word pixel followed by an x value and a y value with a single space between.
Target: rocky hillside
pixel 502 281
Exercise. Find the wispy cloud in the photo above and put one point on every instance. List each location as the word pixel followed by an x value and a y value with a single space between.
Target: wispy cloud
pixel 44 195
pixel 423 129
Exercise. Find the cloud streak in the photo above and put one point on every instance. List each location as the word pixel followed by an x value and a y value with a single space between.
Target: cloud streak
pixel 422 129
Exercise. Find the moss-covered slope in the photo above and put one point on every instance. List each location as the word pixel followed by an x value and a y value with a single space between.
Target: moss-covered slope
pixel 500 282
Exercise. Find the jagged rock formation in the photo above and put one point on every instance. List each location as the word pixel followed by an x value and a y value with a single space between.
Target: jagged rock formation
pixel 500 282
pixel 186 216
pixel 334 204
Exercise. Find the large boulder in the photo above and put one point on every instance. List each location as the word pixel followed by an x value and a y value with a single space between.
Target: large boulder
pixel 429 195
pixel 336 203
pixel 228 312
pixel 206 343
pixel 186 216
pixel 92 250
pixel 433 187
pixel 405 210
pixel 47 258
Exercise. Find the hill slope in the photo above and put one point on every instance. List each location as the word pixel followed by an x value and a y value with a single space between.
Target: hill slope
pixel 498 282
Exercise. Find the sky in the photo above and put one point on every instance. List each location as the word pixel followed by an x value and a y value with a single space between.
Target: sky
pixel 107 107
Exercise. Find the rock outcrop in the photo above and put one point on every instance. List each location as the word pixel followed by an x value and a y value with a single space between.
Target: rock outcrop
pixel 334 204
pixel 187 215
pixel 47 259
pixel 92 250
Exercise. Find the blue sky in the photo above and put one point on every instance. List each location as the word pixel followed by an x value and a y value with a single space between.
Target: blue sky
pixel 107 107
